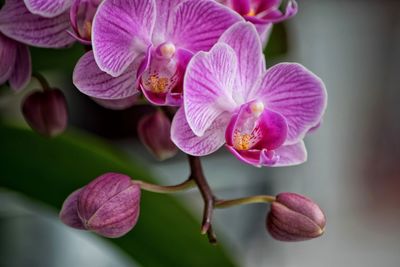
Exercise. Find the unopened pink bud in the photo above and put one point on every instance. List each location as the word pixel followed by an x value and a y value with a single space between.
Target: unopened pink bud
pixel 108 206
pixel 154 131
pixel 46 112
pixel 294 217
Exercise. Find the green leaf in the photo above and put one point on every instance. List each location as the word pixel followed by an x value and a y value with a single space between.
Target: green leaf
pixel 49 169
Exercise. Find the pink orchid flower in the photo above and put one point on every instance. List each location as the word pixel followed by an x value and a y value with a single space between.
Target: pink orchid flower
pixel 260 115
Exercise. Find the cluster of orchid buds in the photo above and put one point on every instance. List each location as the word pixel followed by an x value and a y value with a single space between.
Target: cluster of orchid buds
pixel 201 63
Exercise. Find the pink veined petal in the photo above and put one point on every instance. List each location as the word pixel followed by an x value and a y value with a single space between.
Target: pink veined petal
pixel 22 71
pixel 208 85
pixel 287 155
pixel 198 24
pixel 165 11
pixel 244 40
pixel 48 8
pixel 8 54
pixel 290 155
pixel 19 24
pixel 121 32
pixel 90 80
pixel 296 93
pixel 184 138
pixel 241 6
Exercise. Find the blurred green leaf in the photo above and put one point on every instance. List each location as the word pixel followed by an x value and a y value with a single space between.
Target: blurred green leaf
pixel 56 59
pixel 278 42
pixel 48 170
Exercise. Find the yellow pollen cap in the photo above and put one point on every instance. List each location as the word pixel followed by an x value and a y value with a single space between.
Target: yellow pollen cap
pixel 167 50
pixel 257 108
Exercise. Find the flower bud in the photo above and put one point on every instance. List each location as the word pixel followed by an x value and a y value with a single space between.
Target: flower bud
pixel 46 112
pixel 154 131
pixel 294 217
pixel 108 206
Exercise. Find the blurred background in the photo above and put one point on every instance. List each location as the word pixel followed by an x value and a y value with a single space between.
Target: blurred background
pixel 353 168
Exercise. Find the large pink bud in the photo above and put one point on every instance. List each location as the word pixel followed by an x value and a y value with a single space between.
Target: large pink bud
pixel 108 206
pixel 294 217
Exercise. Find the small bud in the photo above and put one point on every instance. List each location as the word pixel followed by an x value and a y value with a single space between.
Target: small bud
pixel 294 217
pixel 108 206
pixel 154 131
pixel 46 112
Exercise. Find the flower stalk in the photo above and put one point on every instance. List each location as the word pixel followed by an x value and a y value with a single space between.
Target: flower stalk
pixel 42 80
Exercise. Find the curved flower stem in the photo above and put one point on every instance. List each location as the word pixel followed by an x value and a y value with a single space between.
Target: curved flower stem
pixel 198 176
pixel 42 80
pixel 222 203
pixel 189 183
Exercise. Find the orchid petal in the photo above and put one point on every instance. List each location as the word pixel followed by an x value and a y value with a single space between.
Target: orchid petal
pixel 165 11
pixel 48 8
pixel 290 155
pixel 121 33
pixel 244 40
pixel 22 72
pixel 287 155
pixel 19 24
pixel 208 86
pixel 198 24
pixel 184 138
pixel 90 80
pixel 296 93
pixel 8 54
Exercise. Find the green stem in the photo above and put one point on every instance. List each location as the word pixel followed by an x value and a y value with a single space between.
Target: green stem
pixel 189 183
pixel 42 80
pixel 244 200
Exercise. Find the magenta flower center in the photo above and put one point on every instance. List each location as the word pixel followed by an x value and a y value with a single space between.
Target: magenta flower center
pixel 248 133
pixel 161 76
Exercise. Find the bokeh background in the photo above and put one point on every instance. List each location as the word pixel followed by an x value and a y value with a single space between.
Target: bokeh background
pixel 353 169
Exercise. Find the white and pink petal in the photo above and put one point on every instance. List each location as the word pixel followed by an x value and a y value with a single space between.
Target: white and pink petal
pixel 184 138
pixel 208 85
pixel 48 8
pixel 198 24
pixel 245 41
pixel 122 31
pixel 296 93
pixel 90 80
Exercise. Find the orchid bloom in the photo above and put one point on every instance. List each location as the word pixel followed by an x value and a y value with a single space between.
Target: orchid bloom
pixel 230 98
pixel 81 14
pixel 262 13
pixel 147 44
pixel 48 8
pixel 18 28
